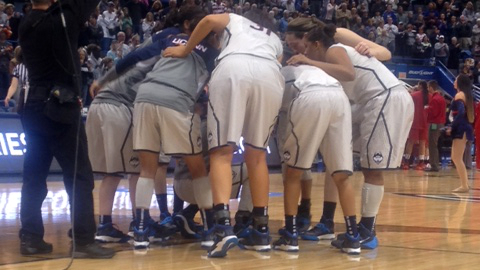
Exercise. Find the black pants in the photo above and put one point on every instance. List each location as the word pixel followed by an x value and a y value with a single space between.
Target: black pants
pixel 47 139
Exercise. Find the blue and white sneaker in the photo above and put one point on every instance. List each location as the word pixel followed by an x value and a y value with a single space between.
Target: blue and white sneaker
pixel 319 232
pixel 141 237
pixel 368 239
pixel 224 239
pixel 187 226
pixel 303 224
pixel 287 242
pixel 351 245
pixel 109 233
pixel 160 232
pixel 208 238
pixel 256 240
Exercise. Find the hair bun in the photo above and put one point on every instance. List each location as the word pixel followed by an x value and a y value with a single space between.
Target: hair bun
pixel 330 30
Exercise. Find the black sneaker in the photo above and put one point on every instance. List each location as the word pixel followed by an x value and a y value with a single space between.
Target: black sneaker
pixel 368 239
pixel 256 240
pixel 31 245
pixel 93 251
pixel 287 242
pixel 348 244
pixel 320 231
pixel 109 233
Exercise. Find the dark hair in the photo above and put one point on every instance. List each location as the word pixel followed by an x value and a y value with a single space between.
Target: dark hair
pixel 186 13
pixel 300 26
pixel 323 34
pixel 433 84
pixel 464 84
pixel 259 17
pixel 424 88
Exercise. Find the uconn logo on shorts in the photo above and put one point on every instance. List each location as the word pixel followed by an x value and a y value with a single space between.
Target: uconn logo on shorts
pixel 286 156
pixel 134 162
pixel 199 141
pixel 377 157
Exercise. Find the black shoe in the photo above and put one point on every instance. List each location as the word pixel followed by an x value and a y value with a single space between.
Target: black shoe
pixel 93 251
pixel 30 245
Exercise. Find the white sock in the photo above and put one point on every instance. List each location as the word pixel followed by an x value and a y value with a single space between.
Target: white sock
pixel 421 157
pixel 202 192
pixel 143 195
pixel 372 196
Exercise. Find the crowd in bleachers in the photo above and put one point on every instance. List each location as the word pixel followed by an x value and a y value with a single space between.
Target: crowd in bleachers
pixel 448 31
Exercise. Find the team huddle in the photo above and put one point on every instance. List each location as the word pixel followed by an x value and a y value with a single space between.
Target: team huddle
pixel 192 91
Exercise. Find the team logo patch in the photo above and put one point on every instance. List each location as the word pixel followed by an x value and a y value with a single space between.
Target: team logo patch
pixel 377 157
pixel 199 141
pixel 210 137
pixel 134 162
pixel 286 156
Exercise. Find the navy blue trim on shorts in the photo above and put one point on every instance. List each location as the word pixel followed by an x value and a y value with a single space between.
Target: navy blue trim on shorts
pixel 343 171
pixel 380 169
pixel 389 90
pixel 146 150
pixel 120 174
pixel 217 122
pixel 190 133
pixel 255 147
pixel 293 130
pixel 126 137
pixel 298 168
pixel 234 144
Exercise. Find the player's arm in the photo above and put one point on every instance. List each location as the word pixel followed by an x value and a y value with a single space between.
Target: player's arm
pixel 216 23
pixel 363 46
pixel 11 90
pixel 337 64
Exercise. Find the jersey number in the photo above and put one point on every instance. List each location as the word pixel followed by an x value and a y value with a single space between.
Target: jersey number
pixel 261 28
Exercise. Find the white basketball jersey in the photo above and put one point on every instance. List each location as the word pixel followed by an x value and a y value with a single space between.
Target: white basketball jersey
pixel 371 79
pixel 242 36
pixel 303 77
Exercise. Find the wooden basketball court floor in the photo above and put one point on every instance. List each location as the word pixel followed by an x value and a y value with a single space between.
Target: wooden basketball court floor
pixel 421 225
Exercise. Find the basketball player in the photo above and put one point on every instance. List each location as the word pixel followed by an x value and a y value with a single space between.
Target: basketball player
pixel 382 113
pixel 240 104
pixel 296 30
pixel 185 189
pixel 111 154
pixel 320 98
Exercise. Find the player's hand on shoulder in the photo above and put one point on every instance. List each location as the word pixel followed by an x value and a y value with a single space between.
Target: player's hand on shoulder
pixel 94 89
pixel 298 59
pixel 363 49
pixel 176 52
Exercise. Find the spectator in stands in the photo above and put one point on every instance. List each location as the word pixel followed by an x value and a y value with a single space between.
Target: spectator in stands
pixel 358 27
pixel 377 7
pixel 147 26
pixel 218 7
pixel 94 31
pixel 383 39
pixel 377 18
pixel 282 27
pixel 134 42
pixel 305 9
pixel 370 27
pixel 410 39
pixel 290 6
pixel 411 19
pixel 94 60
pixel 343 16
pixel 401 40
pixel 467 70
pixel 3 16
pixel 392 31
pixel 108 21
pixel 419 22
pixel 463 31
pixel 330 15
pixel 6 54
pixel 126 20
pixel 137 12
pixel 389 13
pixel 436 120
pixel 86 74
pixel 13 20
pixel 123 43
pixel 469 12
pixel 402 17
pixel 476 56
pixel 421 33
pixel 441 51
pixel 476 32
pixel 442 25
pixel 454 54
